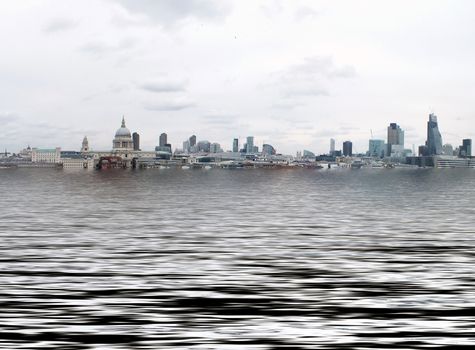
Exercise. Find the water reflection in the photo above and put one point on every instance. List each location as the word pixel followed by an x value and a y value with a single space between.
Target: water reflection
pixel 248 259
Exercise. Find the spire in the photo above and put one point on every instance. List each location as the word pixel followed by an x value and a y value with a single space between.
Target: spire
pixel 123 122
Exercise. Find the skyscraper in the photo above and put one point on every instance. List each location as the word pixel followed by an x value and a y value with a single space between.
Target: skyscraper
pixel 347 148
pixel 136 141
pixel 332 146
pixel 192 140
pixel 250 144
pixel 236 145
pixel 395 137
pixel 466 148
pixel 163 140
pixel 434 139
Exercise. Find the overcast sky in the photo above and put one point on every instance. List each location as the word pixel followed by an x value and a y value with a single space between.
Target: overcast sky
pixel 291 73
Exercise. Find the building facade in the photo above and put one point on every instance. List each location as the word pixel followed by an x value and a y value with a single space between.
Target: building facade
pixel 46 155
pixel 123 139
pixel 348 149
pixel 434 138
pixel 250 144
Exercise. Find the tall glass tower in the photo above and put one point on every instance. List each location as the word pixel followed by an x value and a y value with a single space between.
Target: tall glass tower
pixel 434 138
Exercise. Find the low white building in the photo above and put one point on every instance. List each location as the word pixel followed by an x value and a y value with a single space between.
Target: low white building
pixel 78 163
pixel 39 155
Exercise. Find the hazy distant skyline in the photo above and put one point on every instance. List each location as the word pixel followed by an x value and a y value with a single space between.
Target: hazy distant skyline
pixel 290 73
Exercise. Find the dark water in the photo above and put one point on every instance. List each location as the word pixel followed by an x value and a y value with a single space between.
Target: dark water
pixel 237 259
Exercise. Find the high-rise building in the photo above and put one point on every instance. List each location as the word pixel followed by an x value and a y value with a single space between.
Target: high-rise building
pixel 186 146
pixel 236 145
pixel 192 140
pixel 332 146
pixel 215 148
pixel 136 141
pixel 204 146
pixel 376 148
pixel 250 144
pixel 268 149
pixel 85 145
pixel 163 140
pixel 395 137
pixel 466 149
pixel 348 149
pixel 448 150
pixel 434 138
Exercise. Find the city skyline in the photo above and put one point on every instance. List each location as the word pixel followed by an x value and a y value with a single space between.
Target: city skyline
pixel 292 74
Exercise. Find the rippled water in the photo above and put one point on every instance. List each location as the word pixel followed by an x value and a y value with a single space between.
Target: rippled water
pixel 237 259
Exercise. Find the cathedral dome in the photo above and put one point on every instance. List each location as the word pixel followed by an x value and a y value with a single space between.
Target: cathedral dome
pixel 123 131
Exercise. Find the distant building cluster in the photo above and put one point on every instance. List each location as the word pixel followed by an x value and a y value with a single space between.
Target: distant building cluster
pixel 127 153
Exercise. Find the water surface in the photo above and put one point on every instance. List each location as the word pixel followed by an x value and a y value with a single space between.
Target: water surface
pixel 237 259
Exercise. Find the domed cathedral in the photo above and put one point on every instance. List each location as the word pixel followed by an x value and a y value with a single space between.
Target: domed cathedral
pixel 123 139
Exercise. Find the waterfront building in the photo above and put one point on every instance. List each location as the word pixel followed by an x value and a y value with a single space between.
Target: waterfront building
pixel 268 149
pixel 52 155
pixel 376 148
pixel 236 145
pixel 466 149
pixel 434 138
pixel 347 148
pixel 136 141
pixel 332 146
pixel 85 145
pixel 250 144
pixel 123 139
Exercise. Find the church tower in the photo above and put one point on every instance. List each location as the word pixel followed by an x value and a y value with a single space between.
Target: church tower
pixel 85 145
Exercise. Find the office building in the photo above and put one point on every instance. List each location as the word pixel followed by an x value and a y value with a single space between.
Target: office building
pixel 215 148
pixel 235 145
pixel 250 144
pixel 395 138
pixel 46 155
pixel 192 140
pixel 448 150
pixel 332 146
pixel 466 149
pixel 434 138
pixel 348 149
pixel 136 141
pixel 204 146
pixel 376 148
pixel 310 155
pixel 162 140
pixel 268 149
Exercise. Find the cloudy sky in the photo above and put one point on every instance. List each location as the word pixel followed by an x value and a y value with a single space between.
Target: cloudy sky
pixel 291 73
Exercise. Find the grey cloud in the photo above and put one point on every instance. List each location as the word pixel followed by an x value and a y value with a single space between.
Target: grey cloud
pixel 310 78
pixel 220 119
pixel 169 106
pixel 164 86
pixel 168 12
pixel 59 25
pixel 8 118
pixel 100 48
